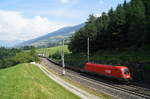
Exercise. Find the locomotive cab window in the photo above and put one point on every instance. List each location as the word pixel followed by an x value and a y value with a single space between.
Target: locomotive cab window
pixel 126 71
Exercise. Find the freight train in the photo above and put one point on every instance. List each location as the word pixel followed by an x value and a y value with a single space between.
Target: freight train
pixel 120 73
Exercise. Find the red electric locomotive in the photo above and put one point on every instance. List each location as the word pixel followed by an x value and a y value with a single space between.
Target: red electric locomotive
pixel 119 72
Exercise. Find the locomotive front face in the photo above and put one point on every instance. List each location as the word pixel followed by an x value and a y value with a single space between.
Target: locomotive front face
pixel 126 73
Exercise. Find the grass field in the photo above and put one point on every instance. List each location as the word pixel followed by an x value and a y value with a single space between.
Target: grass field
pixel 53 50
pixel 26 81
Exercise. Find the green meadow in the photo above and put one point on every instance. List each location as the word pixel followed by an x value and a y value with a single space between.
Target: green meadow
pixel 26 81
pixel 53 50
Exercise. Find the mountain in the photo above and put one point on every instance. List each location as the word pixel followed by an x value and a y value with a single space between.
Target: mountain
pixel 9 43
pixel 52 37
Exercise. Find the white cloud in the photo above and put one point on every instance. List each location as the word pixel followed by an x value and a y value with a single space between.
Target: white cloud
pixel 97 15
pixel 65 1
pixel 13 26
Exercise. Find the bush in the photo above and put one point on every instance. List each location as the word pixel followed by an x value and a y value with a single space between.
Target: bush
pixel 11 57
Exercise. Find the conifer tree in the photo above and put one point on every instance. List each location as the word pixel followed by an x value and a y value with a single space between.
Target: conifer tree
pixel 136 22
pixel 147 21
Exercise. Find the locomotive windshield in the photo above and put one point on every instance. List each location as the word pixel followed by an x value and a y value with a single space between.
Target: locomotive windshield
pixel 126 71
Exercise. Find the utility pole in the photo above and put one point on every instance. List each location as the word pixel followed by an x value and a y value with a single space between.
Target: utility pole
pixel 88 49
pixel 43 52
pixel 62 57
pixel 47 53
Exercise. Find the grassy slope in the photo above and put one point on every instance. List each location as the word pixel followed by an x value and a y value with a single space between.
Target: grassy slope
pixel 53 50
pixel 26 81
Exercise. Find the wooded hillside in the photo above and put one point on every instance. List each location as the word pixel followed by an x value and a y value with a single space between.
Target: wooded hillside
pixel 126 27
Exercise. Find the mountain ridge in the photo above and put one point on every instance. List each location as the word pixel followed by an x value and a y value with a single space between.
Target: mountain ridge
pixel 10 43
pixel 52 36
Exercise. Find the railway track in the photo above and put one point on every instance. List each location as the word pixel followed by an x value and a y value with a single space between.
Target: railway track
pixel 114 89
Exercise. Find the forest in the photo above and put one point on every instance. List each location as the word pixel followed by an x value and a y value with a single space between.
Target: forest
pixel 13 56
pixel 126 27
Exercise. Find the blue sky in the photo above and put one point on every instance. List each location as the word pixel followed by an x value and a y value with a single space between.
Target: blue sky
pixel 63 11
pixel 55 13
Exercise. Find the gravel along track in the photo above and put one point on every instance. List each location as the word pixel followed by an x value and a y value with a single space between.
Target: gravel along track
pixel 116 90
